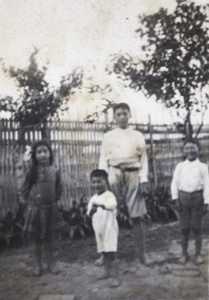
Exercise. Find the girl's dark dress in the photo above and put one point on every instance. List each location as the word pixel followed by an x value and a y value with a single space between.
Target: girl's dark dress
pixel 42 213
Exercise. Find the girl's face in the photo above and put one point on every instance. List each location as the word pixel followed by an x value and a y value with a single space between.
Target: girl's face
pixel 122 117
pixel 191 151
pixel 99 185
pixel 42 155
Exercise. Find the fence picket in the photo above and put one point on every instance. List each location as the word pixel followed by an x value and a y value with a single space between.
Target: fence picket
pixel 76 146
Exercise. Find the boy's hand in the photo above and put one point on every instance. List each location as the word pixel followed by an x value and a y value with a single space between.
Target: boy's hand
pixel 93 210
pixel 176 204
pixel 143 187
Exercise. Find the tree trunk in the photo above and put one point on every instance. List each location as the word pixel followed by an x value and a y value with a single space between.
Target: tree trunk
pixel 45 131
pixel 188 126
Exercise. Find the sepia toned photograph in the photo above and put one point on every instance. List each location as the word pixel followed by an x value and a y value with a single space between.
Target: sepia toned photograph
pixel 104 150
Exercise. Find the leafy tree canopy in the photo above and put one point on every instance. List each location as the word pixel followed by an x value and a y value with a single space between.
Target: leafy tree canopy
pixel 37 100
pixel 176 65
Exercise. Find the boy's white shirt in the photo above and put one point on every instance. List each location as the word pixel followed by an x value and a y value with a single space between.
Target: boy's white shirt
pixel 125 145
pixel 190 176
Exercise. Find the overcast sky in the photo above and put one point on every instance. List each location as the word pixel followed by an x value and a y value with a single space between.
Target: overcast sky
pixel 70 33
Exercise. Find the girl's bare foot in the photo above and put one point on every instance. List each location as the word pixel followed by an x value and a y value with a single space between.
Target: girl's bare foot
pixel 115 283
pixel 53 271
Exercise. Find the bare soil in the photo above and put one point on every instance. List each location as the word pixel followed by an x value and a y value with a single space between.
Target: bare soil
pixel 165 280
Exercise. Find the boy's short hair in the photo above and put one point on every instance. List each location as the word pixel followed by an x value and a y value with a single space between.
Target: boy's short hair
pixel 99 173
pixel 121 105
pixel 192 141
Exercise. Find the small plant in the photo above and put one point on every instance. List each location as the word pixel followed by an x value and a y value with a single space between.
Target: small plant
pixel 11 228
pixel 79 224
pixel 159 204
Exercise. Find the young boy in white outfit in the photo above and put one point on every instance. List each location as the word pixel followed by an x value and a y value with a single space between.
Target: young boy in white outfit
pixel 190 190
pixel 102 208
pixel 123 156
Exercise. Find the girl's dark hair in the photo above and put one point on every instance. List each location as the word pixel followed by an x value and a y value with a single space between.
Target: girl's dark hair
pixel 33 173
pixel 121 105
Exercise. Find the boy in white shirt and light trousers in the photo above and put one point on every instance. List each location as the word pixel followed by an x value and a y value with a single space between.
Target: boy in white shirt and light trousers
pixel 190 190
pixel 123 156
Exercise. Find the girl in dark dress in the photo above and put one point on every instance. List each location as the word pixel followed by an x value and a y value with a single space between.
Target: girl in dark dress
pixel 41 190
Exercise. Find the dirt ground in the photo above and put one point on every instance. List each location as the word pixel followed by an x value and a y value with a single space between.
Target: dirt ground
pixel 165 280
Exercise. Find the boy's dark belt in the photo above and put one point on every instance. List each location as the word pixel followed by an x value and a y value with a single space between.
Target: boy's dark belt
pixel 126 169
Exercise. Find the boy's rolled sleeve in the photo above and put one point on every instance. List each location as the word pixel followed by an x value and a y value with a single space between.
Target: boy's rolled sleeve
pixel 110 203
pixel 206 185
pixel 143 171
pixel 174 184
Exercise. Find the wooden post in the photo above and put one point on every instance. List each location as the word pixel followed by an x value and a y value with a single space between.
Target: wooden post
pixel 153 162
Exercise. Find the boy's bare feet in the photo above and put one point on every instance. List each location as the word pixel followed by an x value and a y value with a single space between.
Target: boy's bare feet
pixel 100 261
pixel 105 275
pixel 198 260
pixel 53 270
pixel 184 259
pixel 114 283
pixel 145 261
pixel 38 272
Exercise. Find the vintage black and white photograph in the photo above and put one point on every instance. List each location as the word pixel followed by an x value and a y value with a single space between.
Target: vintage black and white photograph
pixel 104 150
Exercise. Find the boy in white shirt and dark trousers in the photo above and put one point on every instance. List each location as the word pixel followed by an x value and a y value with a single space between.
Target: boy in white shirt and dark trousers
pixel 123 156
pixel 190 190
pixel 102 207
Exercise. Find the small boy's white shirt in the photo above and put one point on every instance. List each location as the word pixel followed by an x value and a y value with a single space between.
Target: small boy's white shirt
pixel 104 221
pixel 107 199
pixel 123 145
pixel 191 176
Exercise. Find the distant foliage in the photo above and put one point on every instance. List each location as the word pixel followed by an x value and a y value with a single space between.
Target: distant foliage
pixel 176 67
pixel 37 100
pixel 11 228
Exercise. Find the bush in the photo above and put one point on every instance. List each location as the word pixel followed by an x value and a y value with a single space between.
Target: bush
pixel 78 223
pixel 11 228
pixel 159 204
